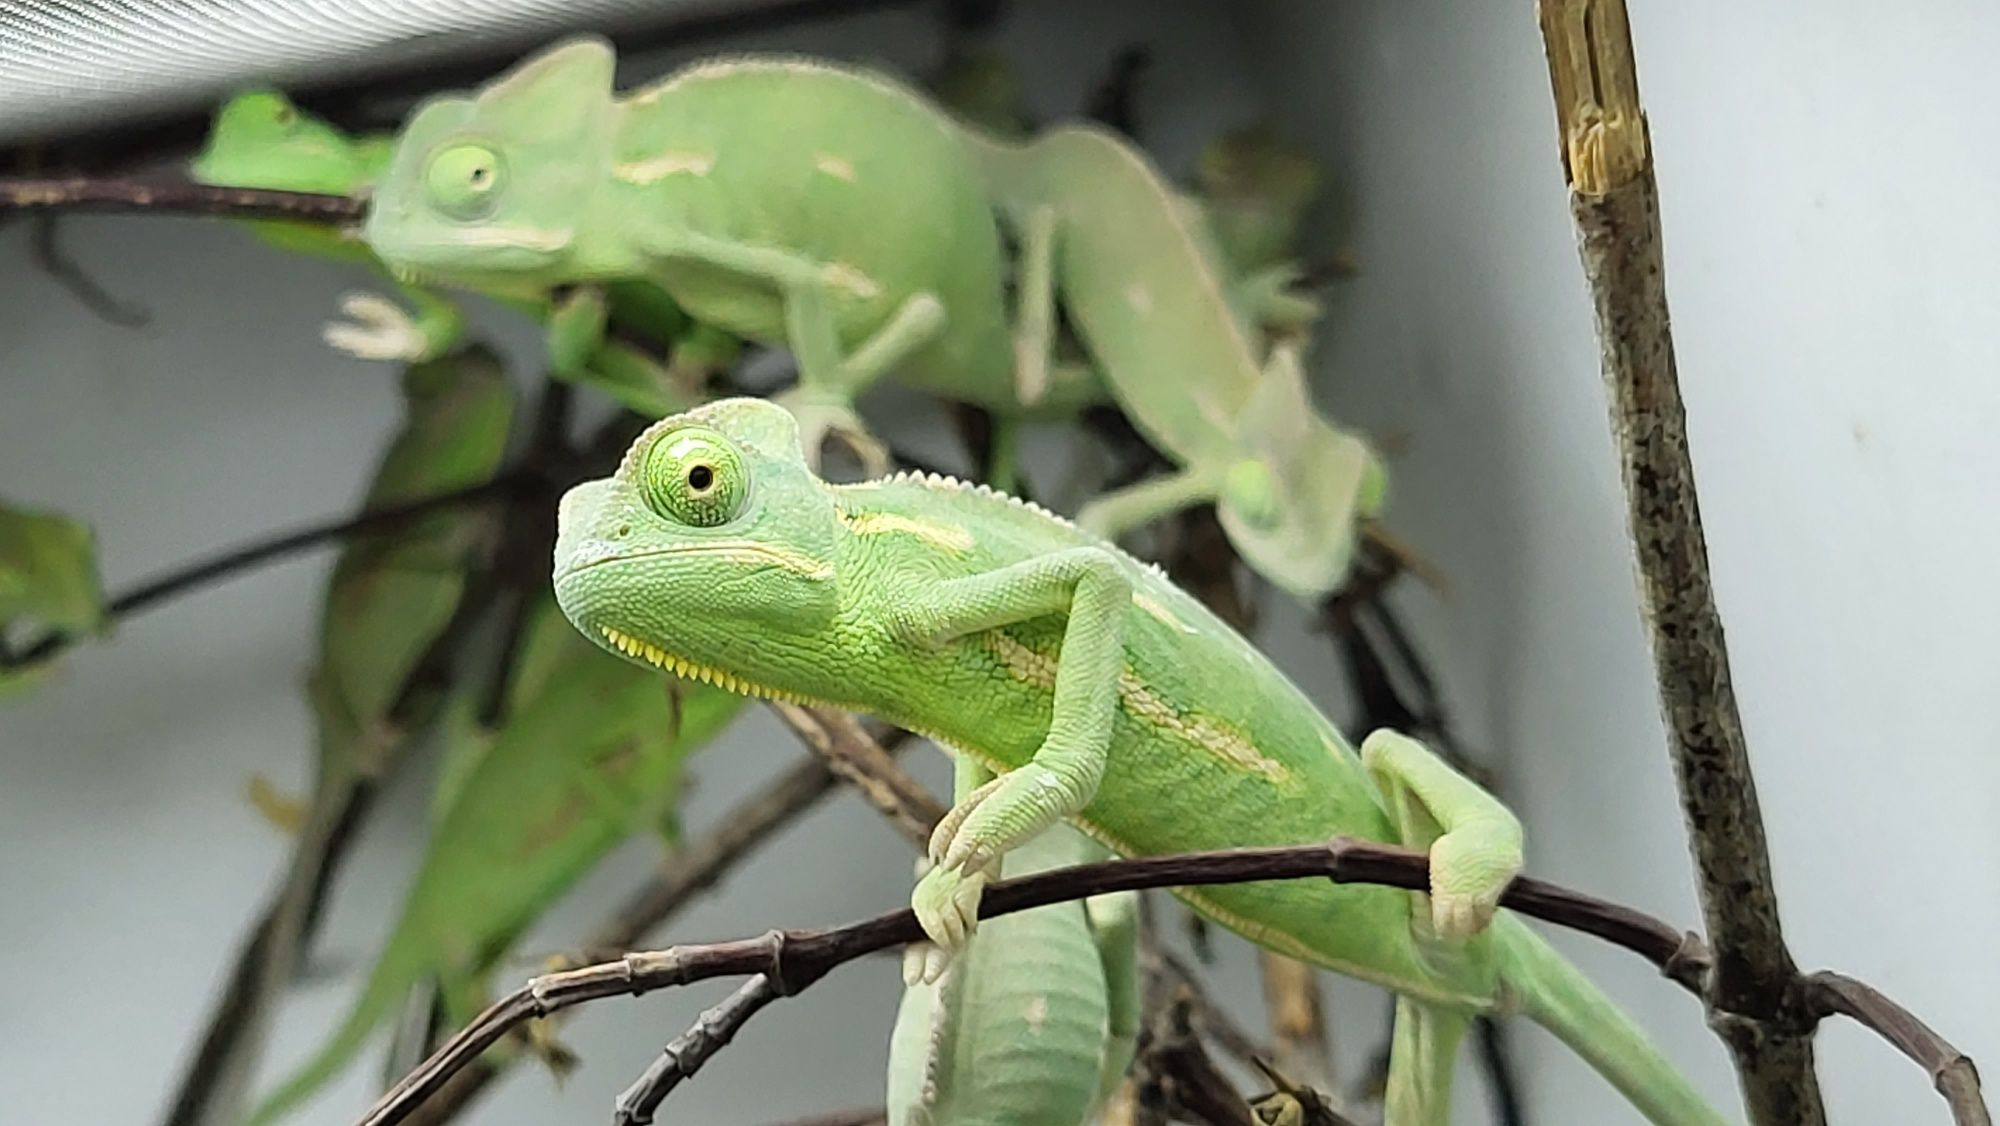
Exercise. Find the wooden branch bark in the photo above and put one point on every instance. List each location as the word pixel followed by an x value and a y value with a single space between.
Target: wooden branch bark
pixel 1756 999
pixel 79 193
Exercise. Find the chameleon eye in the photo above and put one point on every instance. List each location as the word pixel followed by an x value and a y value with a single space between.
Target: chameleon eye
pixel 695 476
pixel 462 180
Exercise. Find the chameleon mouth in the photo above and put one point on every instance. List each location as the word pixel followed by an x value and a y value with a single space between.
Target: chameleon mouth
pixel 688 670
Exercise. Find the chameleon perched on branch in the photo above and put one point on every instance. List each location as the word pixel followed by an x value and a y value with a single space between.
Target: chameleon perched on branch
pixel 1097 692
pixel 839 212
pixel 261 140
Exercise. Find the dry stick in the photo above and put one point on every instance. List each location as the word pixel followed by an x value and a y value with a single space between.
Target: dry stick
pixel 689 873
pixel 794 960
pixel 854 1116
pixel 1756 1000
pixel 78 193
pixel 239 559
pixel 850 752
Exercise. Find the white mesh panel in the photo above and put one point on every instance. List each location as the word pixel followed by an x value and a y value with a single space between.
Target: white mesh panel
pixel 66 64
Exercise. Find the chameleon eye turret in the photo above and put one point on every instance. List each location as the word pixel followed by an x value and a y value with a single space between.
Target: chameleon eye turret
pixel 694 476
pixel 464 180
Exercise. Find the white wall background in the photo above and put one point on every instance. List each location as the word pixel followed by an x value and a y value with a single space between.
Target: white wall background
pixel 1829 258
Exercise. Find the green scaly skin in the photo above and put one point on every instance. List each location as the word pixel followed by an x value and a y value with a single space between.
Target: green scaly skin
pixel 764 194
pixel 1096 691
pixel 591 752
pixel 48 575
pixel 261 140
pixel 1036 1022
pixel 753 191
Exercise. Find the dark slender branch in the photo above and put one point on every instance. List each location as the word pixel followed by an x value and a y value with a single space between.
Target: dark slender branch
pixel 1951 1070
pixel 838 739
pixel 237 560
pixel 690 872
pixel 795 960
pixel 50 257
pixel 853 1116
pixel 80 193
pixel 1755 1000
pixel 716 1027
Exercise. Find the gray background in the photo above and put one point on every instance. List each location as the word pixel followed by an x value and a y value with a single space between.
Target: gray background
pixel 1826 177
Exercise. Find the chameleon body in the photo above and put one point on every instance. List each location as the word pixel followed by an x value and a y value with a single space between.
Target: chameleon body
pixel 1036 1022
pixel 591 751
pixel 261 140
pixel 839 212
pixel 742 187
pixel 1094 690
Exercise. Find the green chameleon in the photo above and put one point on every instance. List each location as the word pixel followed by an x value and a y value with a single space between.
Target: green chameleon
pixel 839 212
pixel 261 140
pixel 1095 690
pixel 48 575
pixel 591 750
pixel 1037 1021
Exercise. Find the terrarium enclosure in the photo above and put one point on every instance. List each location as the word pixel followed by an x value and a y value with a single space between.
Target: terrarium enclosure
pixel 1823 174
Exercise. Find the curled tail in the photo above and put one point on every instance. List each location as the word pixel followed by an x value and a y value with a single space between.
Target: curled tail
pixel 393 976
pixel 1555 994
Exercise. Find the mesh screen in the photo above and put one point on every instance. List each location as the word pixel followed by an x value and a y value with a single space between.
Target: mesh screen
pixel 73 64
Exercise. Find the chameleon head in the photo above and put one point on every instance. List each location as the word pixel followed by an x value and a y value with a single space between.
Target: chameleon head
pixel 260 139
pixel 496 183
pixel 710 546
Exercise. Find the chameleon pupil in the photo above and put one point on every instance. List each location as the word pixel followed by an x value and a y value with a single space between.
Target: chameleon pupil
pixel 700 478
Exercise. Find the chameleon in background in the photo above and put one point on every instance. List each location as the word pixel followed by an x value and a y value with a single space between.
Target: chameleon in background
pixel 839 212
pixel 48 575
pixel 1096 692
pixel 1037 1021
pixel 260 139
pixel 591 751
pixel 829 209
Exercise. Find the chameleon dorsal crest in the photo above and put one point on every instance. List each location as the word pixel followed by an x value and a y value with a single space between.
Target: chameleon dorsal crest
pixel 554 93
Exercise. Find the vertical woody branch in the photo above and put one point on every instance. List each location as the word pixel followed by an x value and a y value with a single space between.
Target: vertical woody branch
pixel 1755 998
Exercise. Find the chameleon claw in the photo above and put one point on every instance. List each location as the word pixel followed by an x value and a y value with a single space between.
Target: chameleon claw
pixel 820 416
pixel 1465 888
pixel 375 329
pixel 946 901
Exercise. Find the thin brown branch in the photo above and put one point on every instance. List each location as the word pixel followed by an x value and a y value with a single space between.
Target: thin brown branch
pixel 690 872
pixel 1756 1000
pixel 848 750
pixel 712 1031
pixel 853 1116
pixel 794 960
pixel 82 193
pixel 1951 1070
pixel 236 560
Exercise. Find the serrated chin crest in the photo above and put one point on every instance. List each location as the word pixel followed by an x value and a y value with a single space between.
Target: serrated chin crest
pixel 682 667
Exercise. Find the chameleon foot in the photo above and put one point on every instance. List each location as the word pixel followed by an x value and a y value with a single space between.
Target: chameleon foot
pixel 947 905
pixel 376 329
pixel 820 417
pixel 1466 884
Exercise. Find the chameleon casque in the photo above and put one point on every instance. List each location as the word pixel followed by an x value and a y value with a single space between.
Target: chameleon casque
pixel 1094 690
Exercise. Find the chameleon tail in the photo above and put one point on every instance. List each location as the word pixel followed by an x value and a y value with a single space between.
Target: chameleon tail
pixel 1555 994
pixel 392 977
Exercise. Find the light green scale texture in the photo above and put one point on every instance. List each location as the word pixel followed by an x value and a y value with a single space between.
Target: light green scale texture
pixel 948 608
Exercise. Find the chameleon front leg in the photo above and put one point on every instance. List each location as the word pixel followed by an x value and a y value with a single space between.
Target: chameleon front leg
pixel 1114 514
pixel 1474 845
pixel 1091 588
pixel 376 328
pixel 829 382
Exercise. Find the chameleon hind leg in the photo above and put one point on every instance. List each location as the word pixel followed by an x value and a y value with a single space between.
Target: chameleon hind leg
pixel 829 381
pixel 1474 845
pixel 1091 588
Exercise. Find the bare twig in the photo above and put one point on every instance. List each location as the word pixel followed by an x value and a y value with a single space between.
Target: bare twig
pixel 714 1029
pixel 854 1116
pixel 839 740
pixel 1756 1001
pixel 794 960
pixel 237 560
pixel 690 872
pixel 56 263
pixel 79 193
